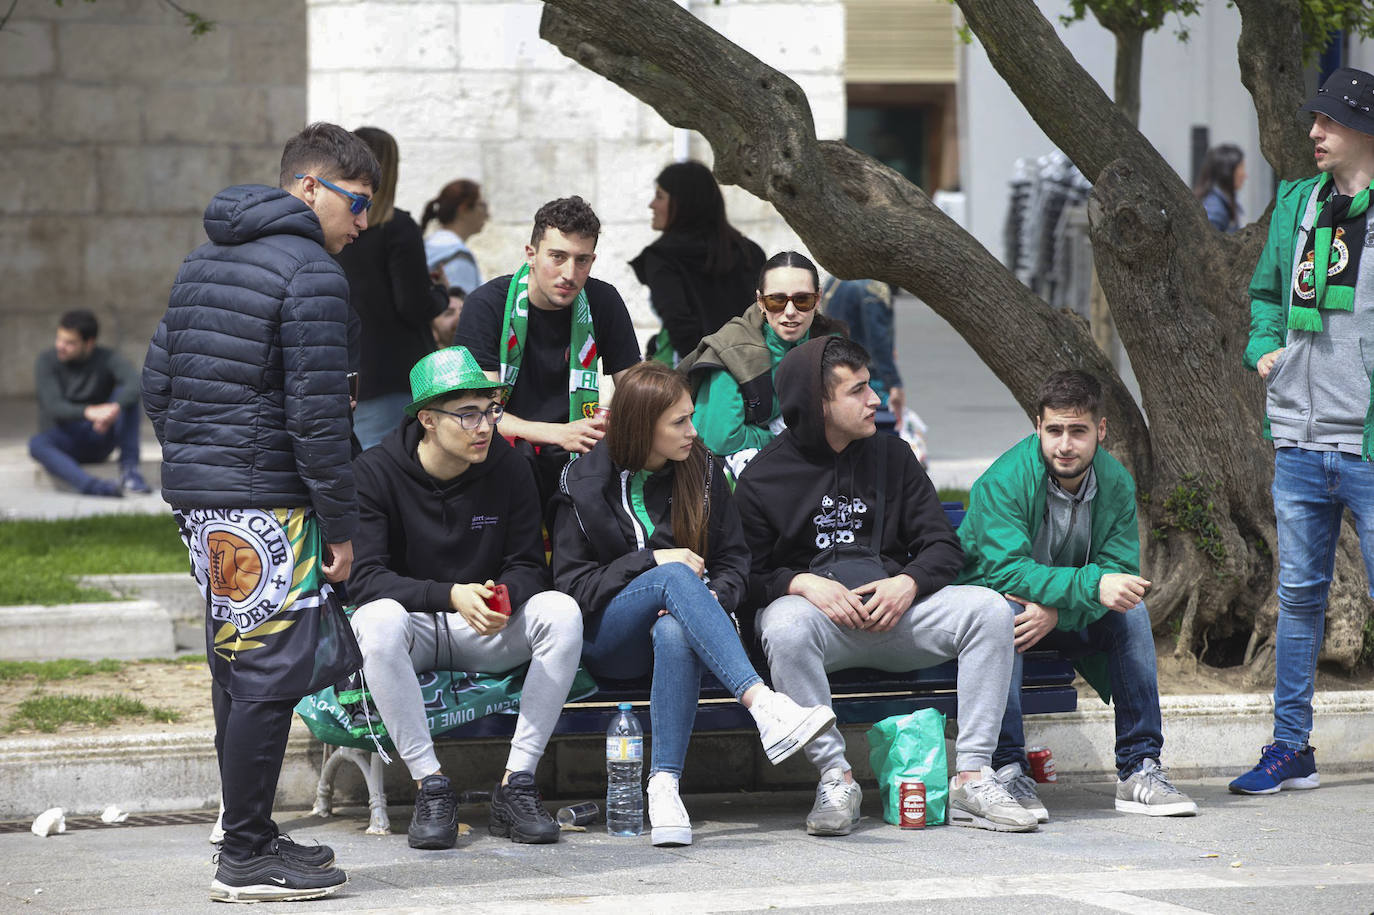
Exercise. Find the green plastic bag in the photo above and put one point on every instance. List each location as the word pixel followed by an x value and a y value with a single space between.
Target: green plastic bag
pixel 452 698
pixel 911 747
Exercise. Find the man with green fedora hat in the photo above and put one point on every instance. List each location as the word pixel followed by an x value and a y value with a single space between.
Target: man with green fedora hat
pixel 444 372
pixel 449 510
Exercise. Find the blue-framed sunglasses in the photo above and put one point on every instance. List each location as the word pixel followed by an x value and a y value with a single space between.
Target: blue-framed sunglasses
pixel 357 203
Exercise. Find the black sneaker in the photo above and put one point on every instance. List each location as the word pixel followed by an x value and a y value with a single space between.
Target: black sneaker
pixel 311 855
pixel 435 823
pixel 518 811
pixel 272 877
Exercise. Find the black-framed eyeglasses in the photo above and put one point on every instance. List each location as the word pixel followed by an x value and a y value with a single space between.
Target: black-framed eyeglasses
pixel 471 420
pixel 357 203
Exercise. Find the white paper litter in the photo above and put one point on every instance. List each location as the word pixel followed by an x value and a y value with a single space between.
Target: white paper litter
pixel 112 814
pixel 48 822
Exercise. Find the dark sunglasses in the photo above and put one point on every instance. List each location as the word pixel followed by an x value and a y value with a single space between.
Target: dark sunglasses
pixel 357 203
pixel 777 301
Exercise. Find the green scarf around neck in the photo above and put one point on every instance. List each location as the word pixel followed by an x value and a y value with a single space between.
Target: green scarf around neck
pixel 1313 291
pixel 583 373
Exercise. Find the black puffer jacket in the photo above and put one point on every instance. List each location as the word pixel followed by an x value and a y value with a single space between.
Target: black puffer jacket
pixel 245 377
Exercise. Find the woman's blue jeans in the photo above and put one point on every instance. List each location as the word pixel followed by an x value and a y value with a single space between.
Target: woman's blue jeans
pixel 616 643
pixel 1312 489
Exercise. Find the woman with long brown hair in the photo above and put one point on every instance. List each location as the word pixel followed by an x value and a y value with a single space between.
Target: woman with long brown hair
pixel 647 539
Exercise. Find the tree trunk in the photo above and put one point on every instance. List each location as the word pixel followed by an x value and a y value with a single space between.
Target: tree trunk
pixel 1130 54
pixel 1176 285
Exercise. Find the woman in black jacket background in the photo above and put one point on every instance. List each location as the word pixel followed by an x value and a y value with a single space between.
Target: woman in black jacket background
pixel 701 270
pixel 395 299
pixel 648 541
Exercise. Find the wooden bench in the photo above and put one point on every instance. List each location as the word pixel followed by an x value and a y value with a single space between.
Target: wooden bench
pixel 859 696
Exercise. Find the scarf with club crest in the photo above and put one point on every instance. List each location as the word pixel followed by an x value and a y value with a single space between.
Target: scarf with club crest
pixel 583 391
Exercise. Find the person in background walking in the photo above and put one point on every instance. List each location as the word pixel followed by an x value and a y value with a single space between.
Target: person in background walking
pixel 394 297
pixel 1218 183
pixel 461 211
pixel 701 270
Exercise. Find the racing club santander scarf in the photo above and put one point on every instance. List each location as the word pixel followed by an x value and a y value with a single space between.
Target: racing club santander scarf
pixel 1327 274
pixel 583 393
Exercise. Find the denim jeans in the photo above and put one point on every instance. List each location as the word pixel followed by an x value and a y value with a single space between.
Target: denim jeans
pixel 374 418
pixel 1311 491
pixel 1130 649
pixel 63 448
pixel 694 632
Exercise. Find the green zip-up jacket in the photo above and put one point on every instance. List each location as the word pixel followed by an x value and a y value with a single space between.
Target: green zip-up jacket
pixel 1270 297
pixel 731 372
pixel 1005 513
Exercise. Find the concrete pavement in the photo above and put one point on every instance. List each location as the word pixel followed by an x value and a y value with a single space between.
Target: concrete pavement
pixel 1300 851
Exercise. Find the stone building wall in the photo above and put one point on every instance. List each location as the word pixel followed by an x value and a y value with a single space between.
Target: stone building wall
pixel 469 89
pixel 116 129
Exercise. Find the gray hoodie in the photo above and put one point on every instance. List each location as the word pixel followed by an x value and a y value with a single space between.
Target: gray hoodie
pixel 1319 389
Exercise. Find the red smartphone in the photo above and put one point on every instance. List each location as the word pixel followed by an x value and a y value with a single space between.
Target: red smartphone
pixel 500 600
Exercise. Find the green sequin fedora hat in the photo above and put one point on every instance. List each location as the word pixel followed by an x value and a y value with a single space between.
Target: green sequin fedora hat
pixel 445 372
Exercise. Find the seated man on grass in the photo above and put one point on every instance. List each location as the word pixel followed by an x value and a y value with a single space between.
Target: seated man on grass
pixel 87 407
pixel 448 510
pixel 1052 526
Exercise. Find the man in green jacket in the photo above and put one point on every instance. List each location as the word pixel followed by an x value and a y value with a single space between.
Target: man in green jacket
pixel 1052 526
pixel 1312 341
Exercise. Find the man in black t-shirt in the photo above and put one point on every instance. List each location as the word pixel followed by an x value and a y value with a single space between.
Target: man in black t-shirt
pixel 549 353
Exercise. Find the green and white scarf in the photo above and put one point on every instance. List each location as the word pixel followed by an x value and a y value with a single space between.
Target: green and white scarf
pixel 1326 276
pixel 583 391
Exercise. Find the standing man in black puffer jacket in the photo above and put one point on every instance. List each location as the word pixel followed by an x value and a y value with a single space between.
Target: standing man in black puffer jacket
pixel 245 384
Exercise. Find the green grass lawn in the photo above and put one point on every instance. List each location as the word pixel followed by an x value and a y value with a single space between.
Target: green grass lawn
pixel 39 560
pixel 954 495
pixel 49 711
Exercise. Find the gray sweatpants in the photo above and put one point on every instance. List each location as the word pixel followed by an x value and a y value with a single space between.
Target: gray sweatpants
pixel 546 631
pixel 966 622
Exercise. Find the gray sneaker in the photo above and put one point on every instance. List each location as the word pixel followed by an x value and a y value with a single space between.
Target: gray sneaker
pixel 1022 787
pixel 1150 792
pixel 985 804
pixel 837 805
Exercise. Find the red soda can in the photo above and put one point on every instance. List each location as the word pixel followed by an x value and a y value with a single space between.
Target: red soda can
pixel 1042 764
pixel 911 795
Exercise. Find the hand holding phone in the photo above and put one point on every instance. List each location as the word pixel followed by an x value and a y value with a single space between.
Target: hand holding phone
pixel 499 600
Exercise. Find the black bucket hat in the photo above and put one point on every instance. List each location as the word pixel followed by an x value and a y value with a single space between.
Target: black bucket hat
pixel 1347 97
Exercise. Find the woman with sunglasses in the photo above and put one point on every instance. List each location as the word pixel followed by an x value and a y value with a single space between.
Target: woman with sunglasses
pixel 732 370
pixel 394 298
pixel 647 539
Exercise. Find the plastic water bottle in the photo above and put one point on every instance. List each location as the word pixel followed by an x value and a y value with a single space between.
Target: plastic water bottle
pixel 624 766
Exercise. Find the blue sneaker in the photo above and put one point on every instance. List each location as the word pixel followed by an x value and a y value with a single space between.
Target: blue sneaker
pixel 1279 767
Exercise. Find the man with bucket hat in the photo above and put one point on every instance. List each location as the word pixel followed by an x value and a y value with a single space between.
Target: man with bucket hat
pixel 447 511
pixel 1312 341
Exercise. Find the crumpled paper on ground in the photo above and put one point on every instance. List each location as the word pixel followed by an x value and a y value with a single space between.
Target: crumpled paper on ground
pixel 48 822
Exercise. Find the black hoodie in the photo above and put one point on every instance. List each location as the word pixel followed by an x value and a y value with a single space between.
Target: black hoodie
pixel 798 494
pixel 418 536
pixel 596 536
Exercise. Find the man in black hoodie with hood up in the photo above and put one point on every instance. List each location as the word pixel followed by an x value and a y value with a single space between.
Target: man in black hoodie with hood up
pixel 448 509
pixel 853 561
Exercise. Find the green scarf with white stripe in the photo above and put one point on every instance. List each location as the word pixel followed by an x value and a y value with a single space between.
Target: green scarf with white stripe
pixel 583 390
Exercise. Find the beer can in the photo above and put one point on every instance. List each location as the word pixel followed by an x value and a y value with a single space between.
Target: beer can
pixel 911 794
pixel 1042 764
pixel 583 814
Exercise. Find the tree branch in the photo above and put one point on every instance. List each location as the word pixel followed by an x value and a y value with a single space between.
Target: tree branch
pixel 1270 53
pixel 858 217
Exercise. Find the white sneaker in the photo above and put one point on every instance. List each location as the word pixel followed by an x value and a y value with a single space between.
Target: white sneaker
pixel 1022 787
pixel 784 726
pixel 985 804
pixel 836 810
pixel 667 816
